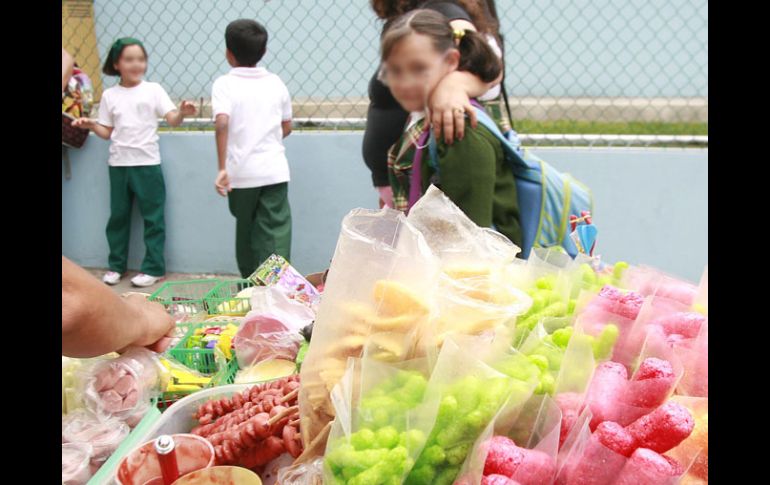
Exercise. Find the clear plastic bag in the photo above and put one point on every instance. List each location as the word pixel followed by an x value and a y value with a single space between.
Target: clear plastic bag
pixel 662 319
pixel 652 282
pixel 104 436
pixel 75 463
pixel 471 395
pixel 264 337
pixel 694 357
pixel 701 303
pixel 310 473
pixel 122 387
pixel 476 304
pixel 381 424
pixel 619 309
pixel 693 453
pixel 454 238
pixel 612 456
pixel 381 280
pixel 523 449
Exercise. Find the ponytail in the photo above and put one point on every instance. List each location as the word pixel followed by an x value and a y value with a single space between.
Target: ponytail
pixel 476 56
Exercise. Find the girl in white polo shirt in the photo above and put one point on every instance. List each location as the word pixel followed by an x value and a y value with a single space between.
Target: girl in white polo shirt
pixel 128 116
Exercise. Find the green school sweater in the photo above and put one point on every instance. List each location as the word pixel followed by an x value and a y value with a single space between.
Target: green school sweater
pixel 473 174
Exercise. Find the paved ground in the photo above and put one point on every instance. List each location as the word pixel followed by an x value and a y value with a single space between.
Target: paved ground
pixel 125 284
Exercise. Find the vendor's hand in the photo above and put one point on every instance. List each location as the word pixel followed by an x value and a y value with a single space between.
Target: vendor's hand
pixel 448 104
pixel 86 123
pixel 158 325
pixel 386 195
pixel 222 183
pixel 187 108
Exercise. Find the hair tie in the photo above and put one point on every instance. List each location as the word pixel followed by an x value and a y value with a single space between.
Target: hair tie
pixel 458 34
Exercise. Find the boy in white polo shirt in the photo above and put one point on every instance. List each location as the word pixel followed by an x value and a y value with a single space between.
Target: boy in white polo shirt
pixel 252 111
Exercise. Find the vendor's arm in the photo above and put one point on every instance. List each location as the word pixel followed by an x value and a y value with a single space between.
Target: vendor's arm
pixel 97 321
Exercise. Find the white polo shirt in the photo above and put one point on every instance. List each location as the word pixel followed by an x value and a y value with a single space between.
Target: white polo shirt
pixel 257 102
pixel 133 114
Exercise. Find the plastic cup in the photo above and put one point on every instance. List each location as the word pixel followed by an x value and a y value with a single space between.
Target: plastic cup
pixel 141 466
pixel 220 475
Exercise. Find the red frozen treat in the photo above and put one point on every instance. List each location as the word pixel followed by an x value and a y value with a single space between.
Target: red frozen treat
pixel 686 324
pixel 605 392
pixel 625 304
pixel 652 384
pixel 536 468
pixel 503 456
pixel 570 404
pixel 646 467
pixel 598 465
pixel 664 428
pixel 498 480
pixel 615 437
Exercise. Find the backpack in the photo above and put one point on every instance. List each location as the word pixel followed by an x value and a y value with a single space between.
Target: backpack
pixel 547 197
pixel 76 102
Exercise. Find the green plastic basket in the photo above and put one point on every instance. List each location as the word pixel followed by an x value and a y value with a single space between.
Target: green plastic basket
pixel 224 375
pixel 185 298
pixel 222 300
pixel 201 360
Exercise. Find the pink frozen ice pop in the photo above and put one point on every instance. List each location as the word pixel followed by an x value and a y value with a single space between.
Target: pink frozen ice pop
pixel 503 456
pixel 536 468
pixel 570 404
pixel 664 428
pixel 646 467
pixel 650 386
pixel 605 392
pixel 686 324
pixel 598 465
pixel 498 480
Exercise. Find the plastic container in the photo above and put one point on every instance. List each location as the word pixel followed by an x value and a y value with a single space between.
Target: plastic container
pixel 141 467
pixel 220 475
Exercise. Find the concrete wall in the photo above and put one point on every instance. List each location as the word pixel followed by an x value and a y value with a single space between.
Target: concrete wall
pixel 651 205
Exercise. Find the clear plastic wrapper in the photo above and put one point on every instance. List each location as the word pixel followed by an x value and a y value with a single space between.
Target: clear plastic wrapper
pixel 619 309
pixel 523 449
pixel 471 396
pixel 75 463
pixel 664 320
pixel 104 436
pixel 476 304
pixel 309 473
pixel 612 455
pixel 263 337
pixel 454 238
pixel 381 280
pixel 652 282
pixel 694 451
pixel 382 422
pixel 123 387
pixel 701 303
pixel 695 363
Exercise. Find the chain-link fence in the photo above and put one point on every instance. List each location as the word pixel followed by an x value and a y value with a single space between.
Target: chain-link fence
pixel 578 72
